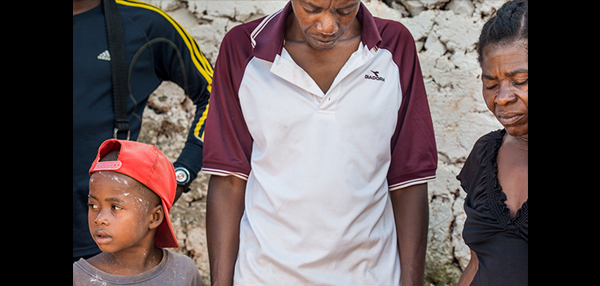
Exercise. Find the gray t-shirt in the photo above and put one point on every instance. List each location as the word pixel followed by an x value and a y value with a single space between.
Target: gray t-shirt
pixel 173 269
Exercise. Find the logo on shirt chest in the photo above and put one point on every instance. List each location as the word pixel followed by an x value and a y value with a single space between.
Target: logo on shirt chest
pixel 375 76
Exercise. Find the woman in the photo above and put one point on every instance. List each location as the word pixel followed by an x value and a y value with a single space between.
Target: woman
pixel 495 173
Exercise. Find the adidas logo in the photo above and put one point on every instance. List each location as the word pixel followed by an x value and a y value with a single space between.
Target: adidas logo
pixel 376 77
pixel 105 56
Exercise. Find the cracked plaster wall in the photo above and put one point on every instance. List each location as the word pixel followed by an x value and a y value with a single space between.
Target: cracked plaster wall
pixel 445 32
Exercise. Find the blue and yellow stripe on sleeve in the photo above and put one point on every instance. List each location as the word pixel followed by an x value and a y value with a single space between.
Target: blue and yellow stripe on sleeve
pixel 199 60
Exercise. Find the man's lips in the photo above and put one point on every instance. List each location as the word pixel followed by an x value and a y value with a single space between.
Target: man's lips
pixel 324 40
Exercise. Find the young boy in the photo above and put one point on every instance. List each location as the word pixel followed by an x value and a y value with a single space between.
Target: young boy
pixel 132 187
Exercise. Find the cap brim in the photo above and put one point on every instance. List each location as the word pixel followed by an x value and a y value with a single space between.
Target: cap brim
pixel 165 236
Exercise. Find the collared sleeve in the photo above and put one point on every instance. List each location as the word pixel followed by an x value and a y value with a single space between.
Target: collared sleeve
pixel 228 143
pixel 414 153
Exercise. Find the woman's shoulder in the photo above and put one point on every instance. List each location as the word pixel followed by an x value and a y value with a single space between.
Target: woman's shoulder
pixel 489 141
pixel 486 146
pixel 482 153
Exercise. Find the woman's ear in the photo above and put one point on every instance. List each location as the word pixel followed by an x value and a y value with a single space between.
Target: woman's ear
pixel 157 216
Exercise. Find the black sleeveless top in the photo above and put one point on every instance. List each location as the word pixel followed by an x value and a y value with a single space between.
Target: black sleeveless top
pixel 499 241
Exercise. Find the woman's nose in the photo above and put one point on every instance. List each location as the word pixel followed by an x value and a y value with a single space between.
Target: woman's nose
pixel 506 94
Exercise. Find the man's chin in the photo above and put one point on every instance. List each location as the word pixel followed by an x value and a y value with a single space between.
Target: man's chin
pixel 322 45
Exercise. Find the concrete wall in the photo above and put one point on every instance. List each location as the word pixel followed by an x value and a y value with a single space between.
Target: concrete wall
pixel 445 32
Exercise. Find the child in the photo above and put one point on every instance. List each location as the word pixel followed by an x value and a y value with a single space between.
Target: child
pixel 132 187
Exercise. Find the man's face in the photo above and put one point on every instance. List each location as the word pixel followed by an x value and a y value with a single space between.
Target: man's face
pixel 323 22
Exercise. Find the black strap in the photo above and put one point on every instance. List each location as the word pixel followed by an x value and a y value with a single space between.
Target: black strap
pixel 118 66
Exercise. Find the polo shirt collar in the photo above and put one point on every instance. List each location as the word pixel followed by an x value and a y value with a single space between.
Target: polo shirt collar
pixel 268 36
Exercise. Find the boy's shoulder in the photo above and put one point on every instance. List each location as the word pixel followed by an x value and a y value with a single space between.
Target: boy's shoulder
pixel 183 269
pixel 182 261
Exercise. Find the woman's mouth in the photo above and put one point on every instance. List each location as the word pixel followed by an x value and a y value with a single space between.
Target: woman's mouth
pixel 509 119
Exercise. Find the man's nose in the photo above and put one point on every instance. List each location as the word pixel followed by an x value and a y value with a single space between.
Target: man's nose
pixel 327 25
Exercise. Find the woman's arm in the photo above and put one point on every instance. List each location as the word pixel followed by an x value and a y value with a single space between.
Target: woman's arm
pixel 469 273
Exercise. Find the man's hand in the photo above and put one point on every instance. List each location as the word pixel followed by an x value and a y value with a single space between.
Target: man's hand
pixel 178 193
pixel 411 212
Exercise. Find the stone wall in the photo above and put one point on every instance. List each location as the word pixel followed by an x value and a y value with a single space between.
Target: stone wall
pixel 445 32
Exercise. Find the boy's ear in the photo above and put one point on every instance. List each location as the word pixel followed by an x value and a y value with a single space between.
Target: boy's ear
pixel 157 216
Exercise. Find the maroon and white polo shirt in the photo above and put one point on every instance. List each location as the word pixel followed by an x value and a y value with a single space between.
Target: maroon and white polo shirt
pixel 319 166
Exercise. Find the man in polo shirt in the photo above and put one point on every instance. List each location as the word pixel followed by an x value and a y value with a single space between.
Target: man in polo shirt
pixel 320 143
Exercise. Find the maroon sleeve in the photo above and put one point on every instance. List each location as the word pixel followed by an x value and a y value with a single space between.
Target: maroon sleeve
pixel 227 141
pixel 414 153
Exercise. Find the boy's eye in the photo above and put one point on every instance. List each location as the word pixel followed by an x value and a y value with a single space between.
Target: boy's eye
pixel 92 206
pixel 117 207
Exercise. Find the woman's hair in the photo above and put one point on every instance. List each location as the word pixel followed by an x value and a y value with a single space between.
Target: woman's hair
pixel 508 25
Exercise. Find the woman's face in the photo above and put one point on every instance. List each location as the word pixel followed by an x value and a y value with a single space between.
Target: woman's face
pixel 504 73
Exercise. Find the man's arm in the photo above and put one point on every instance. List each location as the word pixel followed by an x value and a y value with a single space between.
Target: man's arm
pixel 411 212
pixel 179 59
pixel 224 210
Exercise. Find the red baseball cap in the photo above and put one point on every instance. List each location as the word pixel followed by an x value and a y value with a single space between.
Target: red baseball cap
pixel 146 164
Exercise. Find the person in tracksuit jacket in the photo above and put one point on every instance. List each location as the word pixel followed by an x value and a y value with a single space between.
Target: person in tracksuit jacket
pixel 93 114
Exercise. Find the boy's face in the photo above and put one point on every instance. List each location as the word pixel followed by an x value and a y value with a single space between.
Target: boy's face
pixel 119 216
